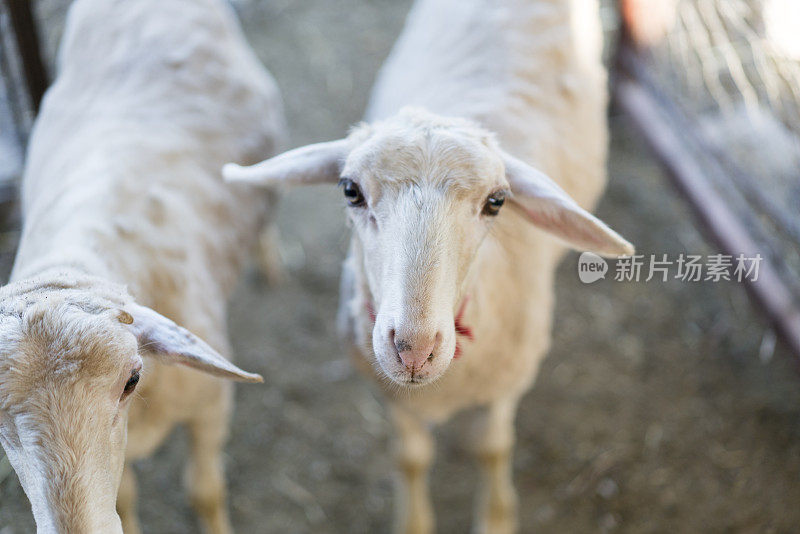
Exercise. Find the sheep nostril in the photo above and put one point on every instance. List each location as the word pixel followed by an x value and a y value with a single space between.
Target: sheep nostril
pixel 394 342
pixel 415 354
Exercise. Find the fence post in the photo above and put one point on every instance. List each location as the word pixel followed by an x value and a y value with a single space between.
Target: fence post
pixel 27 37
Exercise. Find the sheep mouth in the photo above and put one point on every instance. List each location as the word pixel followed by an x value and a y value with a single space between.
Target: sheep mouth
pixel 412 381
pixel 396 372
pixel 416 381
pixel 414 384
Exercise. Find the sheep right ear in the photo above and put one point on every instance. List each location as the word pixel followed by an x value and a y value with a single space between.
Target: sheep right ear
pixel 311 164
pixel 551 209
pixel 172 344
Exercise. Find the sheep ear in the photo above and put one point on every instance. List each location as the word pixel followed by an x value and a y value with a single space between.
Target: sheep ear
pixel 551 209
pixel 173 344
pixel 311 164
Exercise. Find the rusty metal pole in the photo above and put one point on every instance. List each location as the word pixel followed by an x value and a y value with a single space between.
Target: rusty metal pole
pixel 27 37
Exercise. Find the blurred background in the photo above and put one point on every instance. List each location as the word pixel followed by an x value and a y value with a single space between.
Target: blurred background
pixel 663 406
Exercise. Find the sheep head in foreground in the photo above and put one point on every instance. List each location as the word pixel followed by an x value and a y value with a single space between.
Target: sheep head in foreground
pixel 422 192
pixel 70 359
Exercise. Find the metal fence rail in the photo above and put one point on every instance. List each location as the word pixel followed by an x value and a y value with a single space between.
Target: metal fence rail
pixel 718 105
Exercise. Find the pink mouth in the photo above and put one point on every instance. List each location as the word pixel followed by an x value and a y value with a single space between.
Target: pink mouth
pixel 461 328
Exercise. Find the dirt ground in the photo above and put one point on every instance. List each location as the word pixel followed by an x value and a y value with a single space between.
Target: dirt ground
pixel 657 410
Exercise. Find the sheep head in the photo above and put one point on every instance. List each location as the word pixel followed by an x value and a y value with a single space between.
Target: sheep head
pixel 71 354
pixel 423 192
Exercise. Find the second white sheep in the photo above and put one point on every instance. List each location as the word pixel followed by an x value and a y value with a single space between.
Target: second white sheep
pixel 456 236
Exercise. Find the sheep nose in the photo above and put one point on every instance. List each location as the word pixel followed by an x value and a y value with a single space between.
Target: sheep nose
pixel 415 351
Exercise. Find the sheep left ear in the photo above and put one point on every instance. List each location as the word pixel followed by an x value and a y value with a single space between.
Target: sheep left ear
pixel 311 164
pixel 172 344
pixel 551 209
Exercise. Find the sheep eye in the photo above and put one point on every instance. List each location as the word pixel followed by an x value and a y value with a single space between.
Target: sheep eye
pixel 352 193
pixel 130 385
pixel 494 203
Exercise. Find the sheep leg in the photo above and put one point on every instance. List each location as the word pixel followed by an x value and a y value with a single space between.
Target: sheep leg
pixel 270 263
pixel 497 499
pixel 414 455
pixel 126 501
pixel 205 475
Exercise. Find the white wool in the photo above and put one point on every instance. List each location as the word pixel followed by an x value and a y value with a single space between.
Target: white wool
pixel 530 73
pixel 528 70
pixel 122 189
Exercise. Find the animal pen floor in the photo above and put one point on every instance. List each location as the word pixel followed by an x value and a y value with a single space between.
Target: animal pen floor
pixel 653 413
